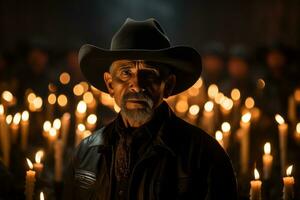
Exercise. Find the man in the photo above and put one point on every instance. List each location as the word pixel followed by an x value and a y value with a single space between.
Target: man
pixel 146 152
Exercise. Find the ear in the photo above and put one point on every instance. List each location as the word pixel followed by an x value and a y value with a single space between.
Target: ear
pixel 169 85
pixel 108 82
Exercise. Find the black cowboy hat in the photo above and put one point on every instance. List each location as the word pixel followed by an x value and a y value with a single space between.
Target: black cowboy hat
pixel 141 40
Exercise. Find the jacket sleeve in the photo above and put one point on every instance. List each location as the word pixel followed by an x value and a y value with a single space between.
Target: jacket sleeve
pixel 222 182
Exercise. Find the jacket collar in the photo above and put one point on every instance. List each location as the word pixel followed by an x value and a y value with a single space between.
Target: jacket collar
pixel 104 138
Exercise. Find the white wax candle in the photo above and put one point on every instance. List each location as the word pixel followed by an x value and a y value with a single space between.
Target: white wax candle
pixel 255 191
pixel 267 160
pixel 30 181
pixel 283 131
pixel 288 182
pixel 244 131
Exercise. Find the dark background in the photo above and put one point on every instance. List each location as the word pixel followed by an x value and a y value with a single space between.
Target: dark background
pixel 61 23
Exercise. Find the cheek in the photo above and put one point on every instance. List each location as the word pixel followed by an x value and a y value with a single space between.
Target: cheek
pixel 119 90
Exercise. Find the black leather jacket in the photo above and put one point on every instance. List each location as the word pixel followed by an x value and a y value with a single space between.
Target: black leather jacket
pixel 182 162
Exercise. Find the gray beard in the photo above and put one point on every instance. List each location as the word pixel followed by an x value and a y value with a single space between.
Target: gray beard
pixel 139 115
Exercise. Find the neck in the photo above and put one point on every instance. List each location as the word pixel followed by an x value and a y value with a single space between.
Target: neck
pixel 133 123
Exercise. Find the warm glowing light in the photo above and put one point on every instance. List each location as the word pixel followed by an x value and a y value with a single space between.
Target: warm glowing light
pixel 31 97
pixel 117 108
pixel 57 124
pixel 85 86
pixel 219 97
pixel 38 156
pixel 256 174
pixel 227 104
pixel 267 148
pixel 279 119
pixel 212 91
pixel 62 100
pixel 194 110
pixel 92 119
pixel 192 91
pixel 297 95
pixel 81 107
pixel 246 117
pixel 289 170
pixel 17 118
pixel 78 90
pixel 46 126
pixel 7 96
pixel 298 128
pixel 52 99
pixel 261 83
pixel 52 132
pixel 29 163
pixel 81 127
pixel 225 127
pixel 219 135
pixel 88 97
pixel 1 109
pixel 9 119
pixel 209 106
pixel 182 106
pixel 235 94
pixel 37 102
pixel 198 84
pixel 42 196
pixel 249 103
pixel 25 115
pixel 52 87
pixel 64 78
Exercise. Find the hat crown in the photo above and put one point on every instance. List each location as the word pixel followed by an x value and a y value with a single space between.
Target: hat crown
pixel 134 34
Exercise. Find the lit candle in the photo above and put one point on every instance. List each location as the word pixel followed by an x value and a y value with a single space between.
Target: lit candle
pixel 30 181
pixel 80 111
pixel 57 125
pixel 52 136
pixel 212 91
pixel 24 129
pixel 283 130
pixel 42 196
pixel 226 134
pixel 219 137
pixel 267 160
pixel 38 166
pixel 15 127
pixel 46 128
pixel 288 182
pixel 4 137
pixel 226 106
pixel 181 106
pixel 79 133
pixel 91 122
pixel 193 113
pixel 89 99
pixel 244 131
pixel 236 96
pixel 208 117
pixel 58 147
pixel 297 132
pixel 255 191
pixel 65 126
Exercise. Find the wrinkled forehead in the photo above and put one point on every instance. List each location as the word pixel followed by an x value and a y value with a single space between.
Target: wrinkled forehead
pixel 118 64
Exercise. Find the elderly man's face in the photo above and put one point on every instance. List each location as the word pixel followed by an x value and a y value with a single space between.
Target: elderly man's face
pixel 138 87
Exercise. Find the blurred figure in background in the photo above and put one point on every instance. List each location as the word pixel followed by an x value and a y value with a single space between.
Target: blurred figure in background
pixel 213 62
pixel 239 72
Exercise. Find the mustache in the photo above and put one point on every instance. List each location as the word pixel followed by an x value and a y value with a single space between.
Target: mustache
pixel 141 96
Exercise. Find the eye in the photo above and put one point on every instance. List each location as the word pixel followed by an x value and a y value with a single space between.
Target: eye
pixel 125 72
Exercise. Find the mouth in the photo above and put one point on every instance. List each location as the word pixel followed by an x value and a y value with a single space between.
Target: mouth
pixel 136 103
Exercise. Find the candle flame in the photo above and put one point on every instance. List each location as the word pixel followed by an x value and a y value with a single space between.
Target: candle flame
pixel 81 127
pixel 38 156
pixel 194 110
pixel 212 91
pixel 52 99
pixel 92 119
pixel 209 106
pixel 182 106
pixel 256 174
pixel 9 119
pixel 227 103
pixel 47 126
pixel 7 96
pixel 219 135
pixel 25 115
pixel 57 124
pixel 64 78
pixel 81 107
pixel 42 196
pixel 78 90
pixel 289 170
pixel 249 102
pixel 279 119
pixel 88 97
pixel 37 102
pixel 298 128
pixel 267 148
pixel 225 127
pixel 29 163
pixel 62 100
pixel 246 117
pixel 219 98
pixel 235 94
pixel 1 109
pixel 17 118
pixel 52 132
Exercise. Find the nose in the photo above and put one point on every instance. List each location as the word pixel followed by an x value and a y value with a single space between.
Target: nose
pixel 136 83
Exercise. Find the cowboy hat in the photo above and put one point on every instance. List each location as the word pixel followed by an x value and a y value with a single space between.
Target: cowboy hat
pixel 141 40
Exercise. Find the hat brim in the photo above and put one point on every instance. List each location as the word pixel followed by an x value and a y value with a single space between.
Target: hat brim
pixel 185 63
